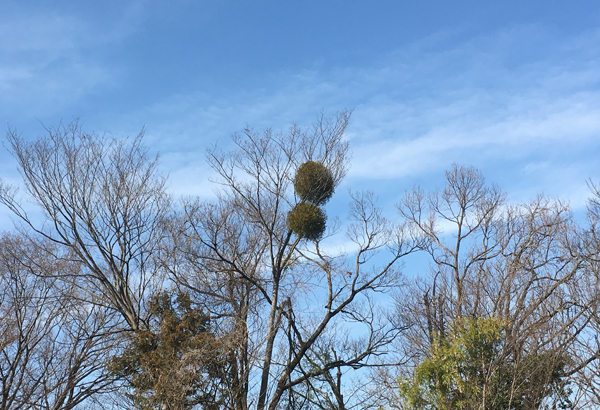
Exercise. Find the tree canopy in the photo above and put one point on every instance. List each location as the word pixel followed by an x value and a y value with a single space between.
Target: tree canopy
pixel 114 294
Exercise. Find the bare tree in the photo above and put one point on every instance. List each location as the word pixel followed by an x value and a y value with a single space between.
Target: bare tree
pixel 104 200
pixel 278 292
pixel 518 263
pixel 53 347
pixel 589 291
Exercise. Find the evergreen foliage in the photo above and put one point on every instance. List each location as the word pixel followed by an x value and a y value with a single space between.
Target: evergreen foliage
pixel 173 365
pixel 468 370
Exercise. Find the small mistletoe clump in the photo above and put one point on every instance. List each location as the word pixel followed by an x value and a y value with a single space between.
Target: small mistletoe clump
pixel 314 183
pixel 307 220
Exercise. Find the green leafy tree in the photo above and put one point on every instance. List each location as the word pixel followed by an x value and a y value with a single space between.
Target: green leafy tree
pixel 470 368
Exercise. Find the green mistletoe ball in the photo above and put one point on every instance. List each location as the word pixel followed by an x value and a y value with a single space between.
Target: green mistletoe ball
pixel 314 183
pixel 307 220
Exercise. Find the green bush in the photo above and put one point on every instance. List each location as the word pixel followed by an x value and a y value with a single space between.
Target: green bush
pixel 307 220
pixel 467 370
pixel 314 183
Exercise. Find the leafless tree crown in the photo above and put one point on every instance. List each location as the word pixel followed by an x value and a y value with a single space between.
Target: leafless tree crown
pixel 103 199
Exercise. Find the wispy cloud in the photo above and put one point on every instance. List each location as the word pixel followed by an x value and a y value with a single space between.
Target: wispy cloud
pixel 49 61
pixel 502 102
pixel 521 103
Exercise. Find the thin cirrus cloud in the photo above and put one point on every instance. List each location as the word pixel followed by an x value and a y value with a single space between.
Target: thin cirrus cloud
pixel 501 112
pixel 526 127
pixel 522 104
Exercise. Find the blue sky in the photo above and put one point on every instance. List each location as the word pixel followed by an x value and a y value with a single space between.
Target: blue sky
pixel 510 87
